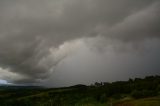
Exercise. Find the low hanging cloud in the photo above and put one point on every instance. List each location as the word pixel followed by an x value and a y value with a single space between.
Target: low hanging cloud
pixel 39 38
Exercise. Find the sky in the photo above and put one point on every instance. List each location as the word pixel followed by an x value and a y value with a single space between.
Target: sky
pixel 66 42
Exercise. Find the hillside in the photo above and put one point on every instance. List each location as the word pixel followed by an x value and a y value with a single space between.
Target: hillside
pixel 134 92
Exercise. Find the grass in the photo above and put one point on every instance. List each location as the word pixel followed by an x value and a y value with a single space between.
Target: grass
pixel 153 101
pixel 45 100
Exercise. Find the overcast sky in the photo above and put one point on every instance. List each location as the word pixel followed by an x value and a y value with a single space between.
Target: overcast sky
pixel 66 42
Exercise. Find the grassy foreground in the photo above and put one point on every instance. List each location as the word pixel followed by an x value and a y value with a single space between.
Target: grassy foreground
pixel 152 101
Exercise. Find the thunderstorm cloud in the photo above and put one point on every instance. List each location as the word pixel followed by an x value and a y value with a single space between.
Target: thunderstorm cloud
pixel 66 42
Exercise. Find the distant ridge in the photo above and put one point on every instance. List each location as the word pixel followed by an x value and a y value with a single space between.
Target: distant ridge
pixel 13 86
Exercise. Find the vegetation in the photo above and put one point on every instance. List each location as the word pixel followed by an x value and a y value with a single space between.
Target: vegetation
pixel 134 92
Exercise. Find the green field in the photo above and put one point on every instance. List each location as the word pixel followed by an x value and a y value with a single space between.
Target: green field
pixel 70 97
pixel 153 101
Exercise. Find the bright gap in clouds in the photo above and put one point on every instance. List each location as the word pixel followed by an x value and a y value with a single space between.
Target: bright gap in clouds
pixel 3 82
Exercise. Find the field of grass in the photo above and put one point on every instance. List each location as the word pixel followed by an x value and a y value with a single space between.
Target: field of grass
pixel 71 97
pixel 152 101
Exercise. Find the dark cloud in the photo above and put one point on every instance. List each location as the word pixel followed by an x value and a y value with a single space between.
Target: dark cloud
pixel 36 36
pixel 140 25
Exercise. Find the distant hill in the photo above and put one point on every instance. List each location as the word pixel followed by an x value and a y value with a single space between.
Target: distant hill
pixel 14 87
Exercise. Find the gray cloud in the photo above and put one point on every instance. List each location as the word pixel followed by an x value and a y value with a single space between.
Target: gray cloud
pixel 36 36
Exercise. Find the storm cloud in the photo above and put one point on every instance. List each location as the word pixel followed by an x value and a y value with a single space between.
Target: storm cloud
pixel 65 42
